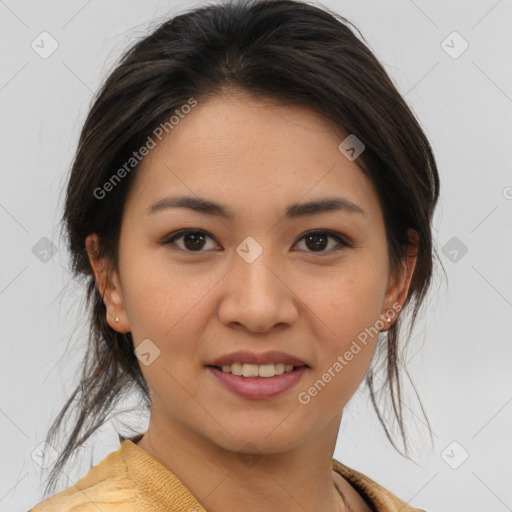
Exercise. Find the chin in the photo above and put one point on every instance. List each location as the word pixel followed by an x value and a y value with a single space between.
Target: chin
pixel 258 441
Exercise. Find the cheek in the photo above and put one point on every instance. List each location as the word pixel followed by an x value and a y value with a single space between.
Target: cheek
pixel 160 306
pixel 346 343
pixel 170 313
pixel 348 305
pixel 348 299
pixel 158 295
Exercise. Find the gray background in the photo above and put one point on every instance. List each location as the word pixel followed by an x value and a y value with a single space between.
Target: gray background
pixel 460 357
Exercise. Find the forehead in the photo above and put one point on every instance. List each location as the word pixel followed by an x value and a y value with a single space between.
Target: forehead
pixel 251 153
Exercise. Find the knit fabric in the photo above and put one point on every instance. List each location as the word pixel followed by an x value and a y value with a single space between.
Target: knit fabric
pixel 131 480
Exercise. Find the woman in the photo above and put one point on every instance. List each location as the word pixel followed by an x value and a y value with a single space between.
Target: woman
pixel 251 203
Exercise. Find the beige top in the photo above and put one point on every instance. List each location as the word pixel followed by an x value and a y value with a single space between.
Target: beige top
pixel 131 480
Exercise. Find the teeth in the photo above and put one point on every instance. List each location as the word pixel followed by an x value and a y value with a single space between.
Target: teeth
pixel 255 370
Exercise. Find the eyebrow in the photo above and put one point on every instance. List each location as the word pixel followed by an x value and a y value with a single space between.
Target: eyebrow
pixel 292 211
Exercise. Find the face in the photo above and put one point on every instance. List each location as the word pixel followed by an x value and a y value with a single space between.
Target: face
pixel 194 285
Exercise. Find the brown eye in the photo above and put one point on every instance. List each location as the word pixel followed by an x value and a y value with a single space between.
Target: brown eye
pixel 193 240
pixel 317 241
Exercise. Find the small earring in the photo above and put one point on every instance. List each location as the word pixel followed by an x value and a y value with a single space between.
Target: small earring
pixel 388 319
pixel 117 319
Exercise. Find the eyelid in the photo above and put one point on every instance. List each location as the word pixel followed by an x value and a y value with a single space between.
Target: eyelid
pixel 169 239
pixel 341 239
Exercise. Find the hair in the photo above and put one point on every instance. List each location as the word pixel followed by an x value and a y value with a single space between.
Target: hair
pixel 286 50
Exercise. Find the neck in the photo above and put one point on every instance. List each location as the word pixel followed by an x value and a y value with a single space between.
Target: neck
pixel 300 478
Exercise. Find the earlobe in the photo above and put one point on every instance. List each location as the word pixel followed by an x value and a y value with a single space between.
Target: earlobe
pixel 108 286
pixel 399 290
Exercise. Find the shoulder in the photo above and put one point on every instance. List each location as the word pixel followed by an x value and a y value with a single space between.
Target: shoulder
pixel 378 496
pixel 106 487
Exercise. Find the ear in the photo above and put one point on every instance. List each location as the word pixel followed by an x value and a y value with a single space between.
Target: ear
pixel 398 288
pixel 108 286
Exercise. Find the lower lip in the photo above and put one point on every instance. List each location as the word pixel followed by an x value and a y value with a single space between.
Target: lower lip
pixel 259 387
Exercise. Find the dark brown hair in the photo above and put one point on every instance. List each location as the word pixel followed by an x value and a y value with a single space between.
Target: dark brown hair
pixel 287 50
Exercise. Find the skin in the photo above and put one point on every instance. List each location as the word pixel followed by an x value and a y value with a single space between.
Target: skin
pixel 255 156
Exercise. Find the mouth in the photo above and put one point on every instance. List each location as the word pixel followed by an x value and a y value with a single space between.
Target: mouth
pixel 258 371
pixel 258 382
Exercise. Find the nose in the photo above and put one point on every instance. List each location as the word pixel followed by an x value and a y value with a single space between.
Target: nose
pixel 257 297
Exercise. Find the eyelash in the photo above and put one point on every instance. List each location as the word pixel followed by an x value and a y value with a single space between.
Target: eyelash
pixel 330 234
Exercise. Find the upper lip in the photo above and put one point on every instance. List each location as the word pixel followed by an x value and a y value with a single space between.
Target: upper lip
pixel 246 357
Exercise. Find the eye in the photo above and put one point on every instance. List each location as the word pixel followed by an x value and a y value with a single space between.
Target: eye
pixel 317 240
pixel 194 240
